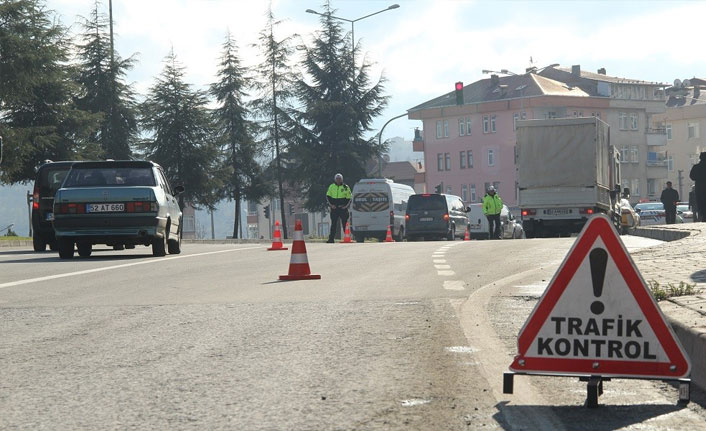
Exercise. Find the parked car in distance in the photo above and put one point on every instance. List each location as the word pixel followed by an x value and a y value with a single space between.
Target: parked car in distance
pixel 629 218
pixel 377 204
pixel 118 203
pixel 47 181
pixel 685 212
pixel 510 226
pixel 435 216
pixel 652 213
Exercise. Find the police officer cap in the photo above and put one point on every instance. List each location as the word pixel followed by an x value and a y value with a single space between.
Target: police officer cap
pixel 491 189
pixel 338 176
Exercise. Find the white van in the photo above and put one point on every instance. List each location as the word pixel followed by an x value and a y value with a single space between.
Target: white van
pixel 378 203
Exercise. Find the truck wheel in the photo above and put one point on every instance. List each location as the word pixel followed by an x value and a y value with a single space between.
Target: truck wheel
pixel 66 248
pixel 38 243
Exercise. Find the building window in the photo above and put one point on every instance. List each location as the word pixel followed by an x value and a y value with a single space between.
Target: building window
pixel 633 121
pixel 491 157
pixel 625 154
pixel 461 127
pixel 464 193
pixel 668 129
pixel 469 158
pixel 651 186
pixel 693 130
pixel 550 115
pixel 439 130
pixel 468 126
pixel 634 187
pixel 670 163
pixel 492 124
pixel 440 161
pixel 473 193
pixel 462 159
pixel 635 154
pixel 515 117
pixel 447 161
pixel 486 124
pixel 446 128
pixel 623 121
pixel 487 186
pixel 523 116
pixel 448 190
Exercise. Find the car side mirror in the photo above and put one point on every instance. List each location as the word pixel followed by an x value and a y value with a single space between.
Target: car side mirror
pixel 468 209
pixel 637 210
pixel 178 190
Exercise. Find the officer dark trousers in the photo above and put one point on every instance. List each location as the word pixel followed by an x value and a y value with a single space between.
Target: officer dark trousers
pixel 337 214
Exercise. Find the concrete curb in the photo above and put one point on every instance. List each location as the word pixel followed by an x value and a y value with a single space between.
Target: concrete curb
pixel 662 234
pixel 16 243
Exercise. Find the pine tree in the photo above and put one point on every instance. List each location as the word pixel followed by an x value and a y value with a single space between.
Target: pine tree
pixel 182 132
pixel 235 132
pixel 338 104
pixel 275 86
pixel 105 90
pixel 38 119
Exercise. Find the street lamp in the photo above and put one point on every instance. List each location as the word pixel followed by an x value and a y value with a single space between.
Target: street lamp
pixel 353 21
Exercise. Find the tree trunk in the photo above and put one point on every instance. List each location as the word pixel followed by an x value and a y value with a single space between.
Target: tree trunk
pixel 236 219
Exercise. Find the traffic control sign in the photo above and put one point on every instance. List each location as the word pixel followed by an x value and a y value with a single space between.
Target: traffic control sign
pixel 597 317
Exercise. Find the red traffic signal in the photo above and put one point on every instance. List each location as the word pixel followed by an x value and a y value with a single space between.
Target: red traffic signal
pixel 459 86
pixel 459 93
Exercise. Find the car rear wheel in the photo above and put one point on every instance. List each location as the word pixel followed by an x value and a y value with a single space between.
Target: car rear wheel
pixel 38 243
pixel 66 248
pixel 159 246
pixel 84 249
pixel 174 245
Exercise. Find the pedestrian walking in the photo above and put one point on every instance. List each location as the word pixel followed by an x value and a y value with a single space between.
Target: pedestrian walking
pixel 492 206
pixel 698 175
pixel 692 205
pixel 339 199
pixel 669 199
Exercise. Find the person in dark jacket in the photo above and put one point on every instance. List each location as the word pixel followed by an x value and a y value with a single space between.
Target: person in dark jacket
pixel 698 175
pixel 339 199
pixel 669 199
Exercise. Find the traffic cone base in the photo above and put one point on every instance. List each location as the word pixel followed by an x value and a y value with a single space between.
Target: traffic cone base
pixel 277 240
pixel 299 263
pixel 467 236
pixel 388 237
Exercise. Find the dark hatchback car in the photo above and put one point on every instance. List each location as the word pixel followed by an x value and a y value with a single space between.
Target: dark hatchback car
pixel 432 215
pixel 49 177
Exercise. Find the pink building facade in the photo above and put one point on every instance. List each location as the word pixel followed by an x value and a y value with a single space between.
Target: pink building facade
pixel 472 146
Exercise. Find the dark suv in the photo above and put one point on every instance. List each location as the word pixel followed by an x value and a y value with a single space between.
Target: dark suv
pixel 49 178
pixel 432 215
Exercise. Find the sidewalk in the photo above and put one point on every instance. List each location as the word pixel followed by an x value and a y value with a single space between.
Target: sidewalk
pixel 681 259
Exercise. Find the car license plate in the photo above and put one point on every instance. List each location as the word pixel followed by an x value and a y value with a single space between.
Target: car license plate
pixel 426 218
pixel 49 216
pixel 557 211
pixel 104 208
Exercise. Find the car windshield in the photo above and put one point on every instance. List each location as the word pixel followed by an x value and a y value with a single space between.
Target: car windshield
pixel 683 207
pixel 109 177
pixel 649 207
pixel 426 202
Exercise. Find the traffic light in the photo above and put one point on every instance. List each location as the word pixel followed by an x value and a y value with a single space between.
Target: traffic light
pixel 437 189
pixel 459 93
pixel 291 209
pixel 267 211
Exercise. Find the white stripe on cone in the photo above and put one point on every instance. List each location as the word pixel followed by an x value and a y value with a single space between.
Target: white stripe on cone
pixel 298 258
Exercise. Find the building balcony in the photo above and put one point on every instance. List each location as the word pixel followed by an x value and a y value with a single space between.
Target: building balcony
pixel 656 137
pixel 657 159
pixel 418 142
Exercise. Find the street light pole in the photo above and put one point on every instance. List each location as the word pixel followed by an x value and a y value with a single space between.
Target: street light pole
pixel 353 21
pixel 380 141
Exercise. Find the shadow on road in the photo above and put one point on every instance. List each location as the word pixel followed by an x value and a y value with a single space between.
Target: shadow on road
pixel 699 276
pixel 580 418
pixel 54 257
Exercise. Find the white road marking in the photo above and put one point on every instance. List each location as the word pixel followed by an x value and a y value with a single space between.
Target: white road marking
pixel 454 285
pixel 439 261
pixel 445 272
pixel 438 255
pixel 442 266
pixel 461 349
pixel 106 268
pixel 414 402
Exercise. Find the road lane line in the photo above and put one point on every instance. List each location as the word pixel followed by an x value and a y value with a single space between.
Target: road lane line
pixel 442 266
pixel 439 261
pixel 454 285
pixel 106 268
pixel 445 272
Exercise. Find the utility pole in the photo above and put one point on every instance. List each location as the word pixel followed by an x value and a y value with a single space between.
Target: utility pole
pixel 213 231
pixel 680 182
pixel 29 210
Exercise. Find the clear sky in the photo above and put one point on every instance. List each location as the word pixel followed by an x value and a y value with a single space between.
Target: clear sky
pixel 424 46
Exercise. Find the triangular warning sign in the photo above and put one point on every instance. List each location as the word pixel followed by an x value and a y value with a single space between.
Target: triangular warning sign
pixel 597 317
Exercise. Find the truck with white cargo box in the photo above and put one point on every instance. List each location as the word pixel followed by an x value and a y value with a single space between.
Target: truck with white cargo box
pixel 377 204
pixel 567 170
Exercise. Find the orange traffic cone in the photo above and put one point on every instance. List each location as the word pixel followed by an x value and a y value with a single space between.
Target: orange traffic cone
pixel 388 238
pixel 347 234
pixel 467 237
pixel 277 240
pixel 299 263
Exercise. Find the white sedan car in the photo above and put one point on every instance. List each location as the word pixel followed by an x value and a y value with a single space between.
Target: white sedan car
pixel 652 213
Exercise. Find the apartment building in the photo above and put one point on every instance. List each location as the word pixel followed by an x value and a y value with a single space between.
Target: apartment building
pixel 684 121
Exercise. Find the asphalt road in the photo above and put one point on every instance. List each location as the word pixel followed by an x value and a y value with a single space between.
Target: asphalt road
pixel 394 336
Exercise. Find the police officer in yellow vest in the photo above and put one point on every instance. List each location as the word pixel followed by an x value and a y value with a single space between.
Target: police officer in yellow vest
pixel 339 199
pixel 492 206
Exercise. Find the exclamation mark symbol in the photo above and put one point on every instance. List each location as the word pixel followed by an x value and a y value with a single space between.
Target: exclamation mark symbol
pixel 599 260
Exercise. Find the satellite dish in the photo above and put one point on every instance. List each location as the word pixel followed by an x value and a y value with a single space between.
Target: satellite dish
pixel 686 83
pixel 677 82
